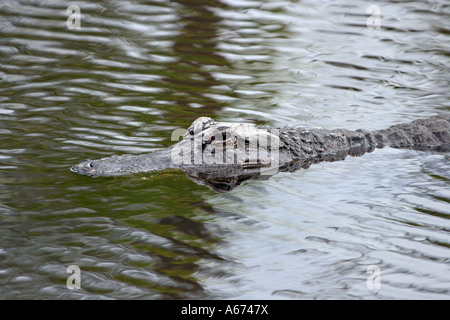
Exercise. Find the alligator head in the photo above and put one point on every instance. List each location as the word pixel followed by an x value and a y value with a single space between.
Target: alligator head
pixel 216 154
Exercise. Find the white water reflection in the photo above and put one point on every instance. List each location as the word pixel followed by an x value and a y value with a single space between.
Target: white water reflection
pixel 318 230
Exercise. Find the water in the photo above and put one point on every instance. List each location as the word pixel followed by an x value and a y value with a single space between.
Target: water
pixel 135 71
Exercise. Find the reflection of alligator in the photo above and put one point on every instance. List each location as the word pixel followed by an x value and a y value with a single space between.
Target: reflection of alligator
pixel 224 155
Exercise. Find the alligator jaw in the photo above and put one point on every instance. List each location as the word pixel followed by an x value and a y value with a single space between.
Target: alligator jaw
pixel 126 164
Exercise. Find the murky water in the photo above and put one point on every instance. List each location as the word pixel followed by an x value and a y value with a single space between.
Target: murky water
pixel 137 70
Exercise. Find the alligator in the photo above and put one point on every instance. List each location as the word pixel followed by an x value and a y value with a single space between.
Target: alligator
pixel 223 155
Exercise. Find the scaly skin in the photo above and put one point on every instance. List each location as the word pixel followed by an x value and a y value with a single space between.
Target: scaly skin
pixel 224 155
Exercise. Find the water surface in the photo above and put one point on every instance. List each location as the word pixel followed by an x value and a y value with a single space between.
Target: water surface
pixel 137 70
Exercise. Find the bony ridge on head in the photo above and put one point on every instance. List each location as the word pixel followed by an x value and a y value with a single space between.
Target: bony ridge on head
pixel 199 125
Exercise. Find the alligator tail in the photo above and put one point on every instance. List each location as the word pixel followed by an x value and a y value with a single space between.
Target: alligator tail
pixel 423 134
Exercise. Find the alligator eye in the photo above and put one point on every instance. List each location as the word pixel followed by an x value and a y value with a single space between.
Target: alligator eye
pixel 213 138
pixel 91 165
pixel 191 132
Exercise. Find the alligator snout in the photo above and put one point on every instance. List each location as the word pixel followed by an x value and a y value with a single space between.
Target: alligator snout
pixel 87 167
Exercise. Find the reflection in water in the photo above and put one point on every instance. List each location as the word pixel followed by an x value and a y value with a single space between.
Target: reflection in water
pixel 190 82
